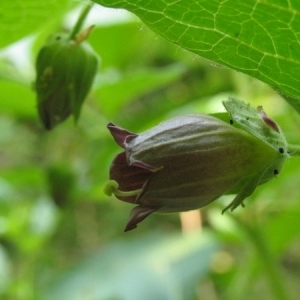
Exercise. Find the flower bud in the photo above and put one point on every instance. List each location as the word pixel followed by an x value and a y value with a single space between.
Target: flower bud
pixel 65 71
pixel 189 161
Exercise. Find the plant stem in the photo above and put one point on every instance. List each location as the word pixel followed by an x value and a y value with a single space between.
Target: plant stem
pixel 294 150
pixel 80 20
pixel 268 261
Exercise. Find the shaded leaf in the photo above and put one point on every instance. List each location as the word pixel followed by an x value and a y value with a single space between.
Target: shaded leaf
pixel 150 267
pixel 21 18
pixel 116 94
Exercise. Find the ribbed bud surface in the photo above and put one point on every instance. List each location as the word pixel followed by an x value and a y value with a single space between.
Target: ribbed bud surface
pixel 65 72
pixel 187 162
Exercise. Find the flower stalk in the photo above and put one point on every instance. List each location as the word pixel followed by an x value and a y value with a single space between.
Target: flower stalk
pixel 294 150
pixel 81 19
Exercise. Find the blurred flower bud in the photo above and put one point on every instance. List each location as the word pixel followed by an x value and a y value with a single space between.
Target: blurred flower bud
pixel 189 161
pixel 65 71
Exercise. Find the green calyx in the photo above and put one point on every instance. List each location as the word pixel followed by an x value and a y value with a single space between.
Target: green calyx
pixel 258 124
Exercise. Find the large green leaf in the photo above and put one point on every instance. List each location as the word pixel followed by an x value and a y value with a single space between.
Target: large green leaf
pixel 259 38
pixel 21 18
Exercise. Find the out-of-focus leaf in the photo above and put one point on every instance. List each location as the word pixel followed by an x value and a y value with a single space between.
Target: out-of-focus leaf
pixel 61 181
pixel 111 96
pixel 119 44
pixel 283 226
pixel 27 179
pixel 151 267
pixel 5 269
pixel 16 147
pixel 21 18
pixel 17 99
pixel 282 229
pixel 9 71
pixel 257 38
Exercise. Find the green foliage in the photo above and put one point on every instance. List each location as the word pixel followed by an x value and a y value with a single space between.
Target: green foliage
pixel 61 238
pixel 21 19
pixel 256 38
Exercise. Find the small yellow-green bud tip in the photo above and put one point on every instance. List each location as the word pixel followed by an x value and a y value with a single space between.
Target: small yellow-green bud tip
pixel 110 187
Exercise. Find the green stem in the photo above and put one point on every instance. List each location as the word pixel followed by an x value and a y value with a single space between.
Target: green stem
pixel 294 150
pixel 80 20
pixel 267 260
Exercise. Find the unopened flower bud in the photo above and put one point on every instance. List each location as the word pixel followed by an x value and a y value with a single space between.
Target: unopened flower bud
pixel 65 71
pixel 189 161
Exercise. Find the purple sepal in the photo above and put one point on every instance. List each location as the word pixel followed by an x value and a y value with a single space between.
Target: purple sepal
pixel 137 215
pixel 120 134
pixel 143 165
pixel 270 122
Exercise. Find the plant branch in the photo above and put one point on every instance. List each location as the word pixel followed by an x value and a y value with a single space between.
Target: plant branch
pixel 294 150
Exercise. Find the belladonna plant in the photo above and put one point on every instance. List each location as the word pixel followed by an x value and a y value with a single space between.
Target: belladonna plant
pixel 189 161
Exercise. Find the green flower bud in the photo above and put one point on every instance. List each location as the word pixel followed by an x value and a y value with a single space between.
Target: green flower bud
pixel 189 161
pixel 65 71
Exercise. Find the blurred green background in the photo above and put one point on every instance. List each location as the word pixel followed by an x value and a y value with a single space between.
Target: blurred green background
pixel 62 238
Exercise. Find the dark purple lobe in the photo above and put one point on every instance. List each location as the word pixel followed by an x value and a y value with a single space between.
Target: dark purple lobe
pixel 128 177
pixel 137 215
pixel 120 134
